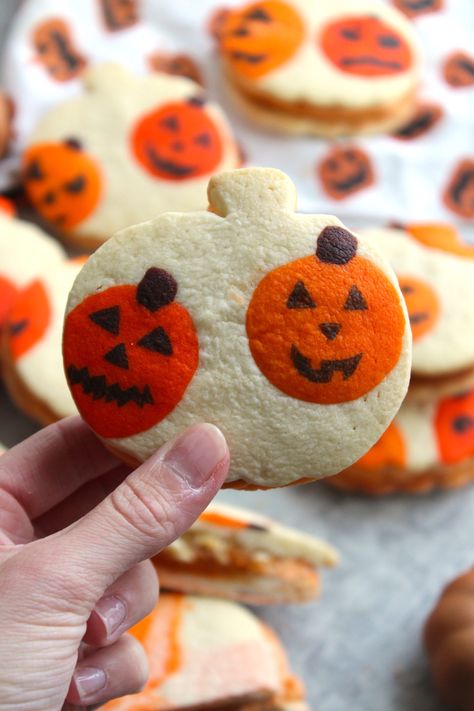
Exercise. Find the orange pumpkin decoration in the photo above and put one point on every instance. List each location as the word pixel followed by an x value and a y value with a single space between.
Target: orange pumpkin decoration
pixel 180 65
pixel 389 451
pixel 259 37
pixel 178 141
pixel 449 641
pixel 130 352
pixel 344 171
pixel 422 303
pixel 458 70
pixel 28 319
pixel 440 236
pixel 414 8
pixel 454 425
pixel 459 193
pixel 316 326
pixel 8 294
pixel 63 183
pixel 423 120
pixel 119 14
pixel 365 46
pixel 56 50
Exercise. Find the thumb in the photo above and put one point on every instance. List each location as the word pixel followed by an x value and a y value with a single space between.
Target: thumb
pixel 150 509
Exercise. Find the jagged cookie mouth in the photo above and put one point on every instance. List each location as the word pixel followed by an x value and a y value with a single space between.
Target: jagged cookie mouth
pixel 324 374
pixel 168 166
pixel 97 387
pixel 368 61
pixel 248 57
pixel 351 182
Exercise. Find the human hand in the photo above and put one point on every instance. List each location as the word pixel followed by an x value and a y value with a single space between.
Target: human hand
pixel 75 528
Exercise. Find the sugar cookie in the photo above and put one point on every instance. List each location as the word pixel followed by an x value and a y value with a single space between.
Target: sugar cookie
pixel 324 67
pixel 285 330
pixel 127 149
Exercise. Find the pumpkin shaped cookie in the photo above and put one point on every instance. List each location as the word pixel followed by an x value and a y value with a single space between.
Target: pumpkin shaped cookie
pixel 186 636
pixel 32 344
pixel 126 150
pixel 449 641
pixel 238 554
pixel 199 316
pixel 331 67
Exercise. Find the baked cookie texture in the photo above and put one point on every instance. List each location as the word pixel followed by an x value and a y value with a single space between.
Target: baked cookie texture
pixel 125 150
pixel 31 353
pixel 326 68
pixel 448 637
pixel 235 316
pixel 185 637
pixel 238 554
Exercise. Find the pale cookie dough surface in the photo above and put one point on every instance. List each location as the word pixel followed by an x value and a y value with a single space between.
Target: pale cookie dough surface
pixel 102 123
pixel 439 289
pixel 310 76
pixel 216 261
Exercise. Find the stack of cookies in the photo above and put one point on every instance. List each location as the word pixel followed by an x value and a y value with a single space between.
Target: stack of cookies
pixel 430 444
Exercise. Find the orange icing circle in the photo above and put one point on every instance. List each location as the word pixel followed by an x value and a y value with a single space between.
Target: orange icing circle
pixel 440 236
pixel 389 451
pixel 454 425
pixel 422 303
pixel 28 320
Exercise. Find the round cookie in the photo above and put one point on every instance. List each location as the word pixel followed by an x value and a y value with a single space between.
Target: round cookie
pixel 448 637
pixel 326 67
pixel 127 149
pixel 32 344
pixel 435 270
pixel 25 251
pixel 282 329
pixel 429 445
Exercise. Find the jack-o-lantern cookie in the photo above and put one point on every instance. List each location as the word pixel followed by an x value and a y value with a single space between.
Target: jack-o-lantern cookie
pixel 435 271
pixel 332 67
pixel 25 251
pixel 32 344
pixel 458 194
pixel 237 554
pixel 186 636
pixel 126 150
pixel 344 171
pixel 458 70
pixel 429 445
pixel 201 316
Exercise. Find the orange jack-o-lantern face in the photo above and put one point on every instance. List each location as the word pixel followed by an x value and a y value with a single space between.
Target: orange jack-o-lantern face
pixel 260 37
pixel 454 425
pixel 389 451
pixel 62 181
pixel 459 193
pixel 119 14
pixel 422 304
pixel 326 328
pixel 56 50
pixel 178 141
pixel 458 70
pixel 130 352
pixel 366 47
pixel 28 320
pixel 441 236
pixel 344 171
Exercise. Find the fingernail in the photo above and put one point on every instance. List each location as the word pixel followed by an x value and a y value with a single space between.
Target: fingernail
pixel 89 681
pixel 112 611
pixel 196 453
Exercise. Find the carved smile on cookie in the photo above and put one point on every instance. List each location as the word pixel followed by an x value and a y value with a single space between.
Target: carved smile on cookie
pixel 178 141
pixel 317 327
pixel 130 353
pixel 366 46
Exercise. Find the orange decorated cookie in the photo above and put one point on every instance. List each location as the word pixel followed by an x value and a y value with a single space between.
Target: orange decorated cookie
pixel 186 636
pixel 154 148
pixel 199 317
pixel 238 554
pixel 332 67
pixel 435 269
pixel 32 344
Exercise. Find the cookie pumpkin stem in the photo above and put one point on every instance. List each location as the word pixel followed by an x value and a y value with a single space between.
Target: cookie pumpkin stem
pixel 336 245
pixel 257 192
pixel 157 289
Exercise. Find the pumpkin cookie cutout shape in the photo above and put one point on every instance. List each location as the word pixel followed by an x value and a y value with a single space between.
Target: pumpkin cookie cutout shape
pixel 435 274
pixel 238 554
pixel 248 300
pixel 32 345
pixel 448 637
pixel 345 170
pixel 327 68
pixel 25 251
pixel 119 14
pixel 145 144
pixel 56 50
pixel 185 636
pixel 458 70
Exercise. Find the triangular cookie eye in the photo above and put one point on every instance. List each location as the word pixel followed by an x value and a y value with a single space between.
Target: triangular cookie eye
pixel 108 319
pixel 157 341
pixel 355 301
pixel 300 298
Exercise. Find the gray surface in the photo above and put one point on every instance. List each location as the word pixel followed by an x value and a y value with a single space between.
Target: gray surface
pixel 359 647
